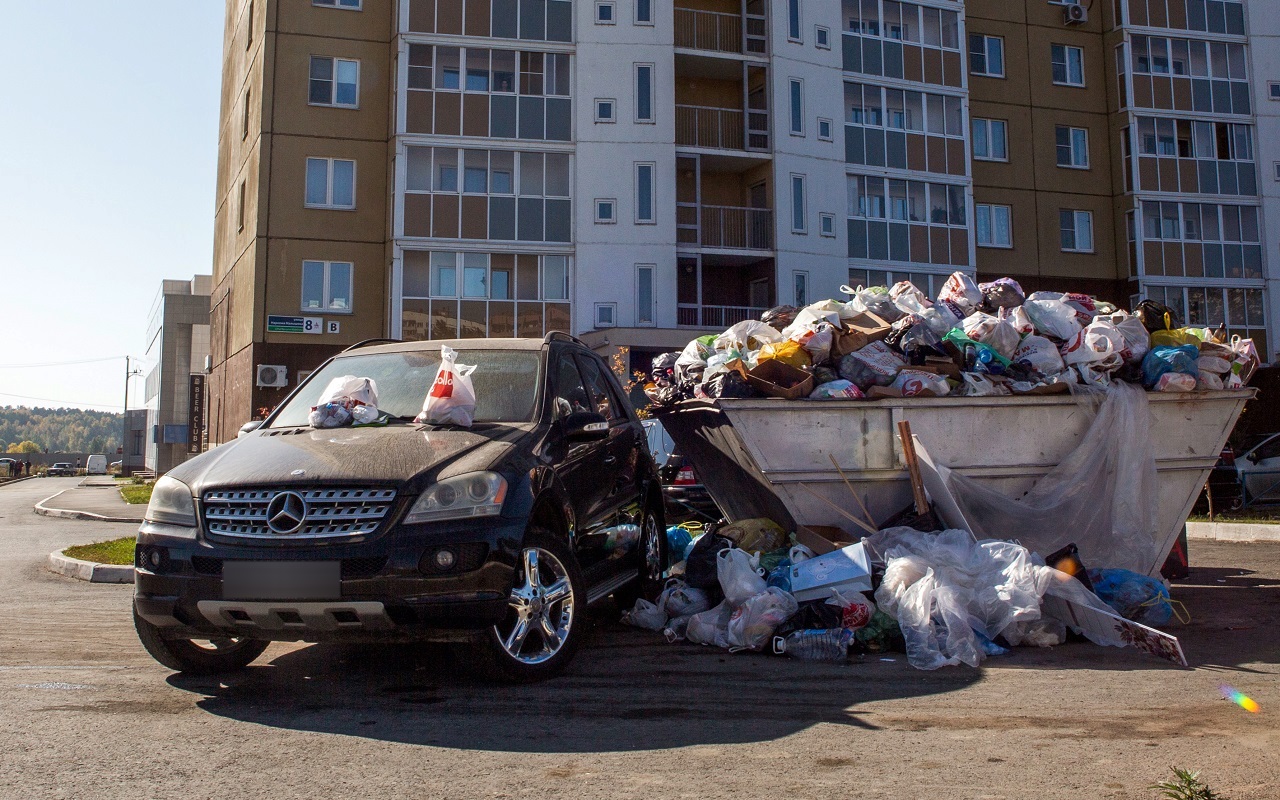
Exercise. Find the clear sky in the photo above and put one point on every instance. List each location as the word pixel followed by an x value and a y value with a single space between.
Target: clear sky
pixel 108 152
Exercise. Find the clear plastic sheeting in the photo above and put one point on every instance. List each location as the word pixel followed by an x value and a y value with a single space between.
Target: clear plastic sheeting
pixel 947 591
pixel 1102 496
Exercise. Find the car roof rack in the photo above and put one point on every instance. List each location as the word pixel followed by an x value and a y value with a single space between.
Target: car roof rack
pixel 563 337
pixel 368 342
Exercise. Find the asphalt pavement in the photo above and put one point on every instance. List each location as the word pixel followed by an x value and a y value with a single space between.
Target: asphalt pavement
pixel 95 498
pixel 84 712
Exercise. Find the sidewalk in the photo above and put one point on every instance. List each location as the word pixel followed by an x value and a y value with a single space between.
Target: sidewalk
pixel 95 498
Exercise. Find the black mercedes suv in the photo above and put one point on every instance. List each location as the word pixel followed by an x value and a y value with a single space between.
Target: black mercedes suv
pixel 495 536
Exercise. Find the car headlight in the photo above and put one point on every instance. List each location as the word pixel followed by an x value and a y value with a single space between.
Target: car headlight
pixel 171 503
pixel 476 494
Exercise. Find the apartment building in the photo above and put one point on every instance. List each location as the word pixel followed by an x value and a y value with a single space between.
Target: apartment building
pixel 177 344
pixel 640 172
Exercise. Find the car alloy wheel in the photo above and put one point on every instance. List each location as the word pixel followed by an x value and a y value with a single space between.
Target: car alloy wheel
pixel 653 549
pixel 542 609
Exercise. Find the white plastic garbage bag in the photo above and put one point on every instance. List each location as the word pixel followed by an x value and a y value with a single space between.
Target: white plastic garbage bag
pixel 347 399
pixel 354 389
pixel 711 626
pixel 754 622
pixel 1051 316
pixel 680 600
pixel 751 334
pixel 645 615
pixel 452 399
pixel 740 575
pixel 1039 354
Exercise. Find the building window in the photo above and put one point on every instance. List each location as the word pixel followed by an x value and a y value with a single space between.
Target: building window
pixel 331 183
pixel 644 92
pixel 822 37
pixel 1273 88
pixel 353 5
pixel 606 13
pixel 994 228
pixel 1277 169
pixel 244 120
pixel 1068 65
pixel 248 27
pixel 240 208
pixel 1073 147
pixel 606 211
pixel 334 82
pixel 606 315
pixel 990 139
pixel 326 286
pixel 797 204
pixel 986 55
pixel 644 294
pixel 644 12
pixel 1077 231
pixel 606 110
pixel 824 129
pixel 793 20
pixel 800 283
pixel 797 107
pixel 644 194
pixel 827 224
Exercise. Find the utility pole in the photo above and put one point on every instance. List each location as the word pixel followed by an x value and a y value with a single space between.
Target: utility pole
pixel 124 439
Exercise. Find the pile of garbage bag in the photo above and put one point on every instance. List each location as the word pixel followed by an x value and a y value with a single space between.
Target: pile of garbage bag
pixel 347 400
pixel 971 340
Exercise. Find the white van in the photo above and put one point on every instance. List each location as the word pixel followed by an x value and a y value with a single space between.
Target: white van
pixel 95 465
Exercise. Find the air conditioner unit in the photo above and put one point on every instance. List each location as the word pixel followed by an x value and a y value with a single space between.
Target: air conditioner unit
pixel 273 375
pixel 1075 15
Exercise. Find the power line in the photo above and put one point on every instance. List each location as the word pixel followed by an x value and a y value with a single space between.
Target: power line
pixel 51 400
pixel 60 363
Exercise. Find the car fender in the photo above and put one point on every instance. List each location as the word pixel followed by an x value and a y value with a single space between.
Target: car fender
pixel 551 498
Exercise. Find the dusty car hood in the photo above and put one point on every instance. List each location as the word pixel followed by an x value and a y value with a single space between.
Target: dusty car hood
pixel 392 454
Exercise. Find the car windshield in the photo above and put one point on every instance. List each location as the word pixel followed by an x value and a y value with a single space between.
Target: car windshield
pixel 505 382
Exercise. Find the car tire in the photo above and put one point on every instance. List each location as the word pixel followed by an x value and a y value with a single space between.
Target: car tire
pixel 653 560
pixel 226 654
pixel 546 618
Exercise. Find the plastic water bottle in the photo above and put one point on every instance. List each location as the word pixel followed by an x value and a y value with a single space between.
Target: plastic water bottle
pixel 815 645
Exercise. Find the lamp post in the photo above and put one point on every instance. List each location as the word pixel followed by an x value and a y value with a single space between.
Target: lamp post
pixel 124 439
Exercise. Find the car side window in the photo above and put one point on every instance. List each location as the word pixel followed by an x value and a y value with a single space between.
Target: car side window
pixel 1269 450
pixel 570 396
pixel 606 402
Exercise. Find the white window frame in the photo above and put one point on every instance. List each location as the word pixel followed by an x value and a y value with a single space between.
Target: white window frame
pixel 327 306
pixel 1075 220
pixel 794 86
pixel 636 19
pixel 990 210
pixel 612 308
pixel 329 204
pixel 613 206
pixel 795 33
pixel 1273 90
pixel 652 218
pixel 1276 166
pixel 652 87
pixel 799 202
pixel 651 320
pixel 799 278
pixel 613 109
pixel 339 4
pixel 830 125
pixel 986 55
pixel 987 123
pixel 1067 49
pixel 333 89
pixel 613 12
pixel 827 224
pixel 822 37
pixel 1071 139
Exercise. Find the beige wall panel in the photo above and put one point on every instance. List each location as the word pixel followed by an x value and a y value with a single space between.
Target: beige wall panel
pixel 291 219
pixel 284 285
pixel 1001 10
pixel 1015 87
pixel 1017 172
pixel 247 280
pixel 293 114
pixel 1023 257
pixel 1096 179
pixel 709 92
pixel 374 22
pixel 1045 15
pixel 1040 63
pixel 1099 265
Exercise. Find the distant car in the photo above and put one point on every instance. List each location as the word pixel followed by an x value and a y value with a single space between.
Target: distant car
pixel 10 467
pixel 684 496
pixel 1258 468
pixel 62 468
pixel 95 465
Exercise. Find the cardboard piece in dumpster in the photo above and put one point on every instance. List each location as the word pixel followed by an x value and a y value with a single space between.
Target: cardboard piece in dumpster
pixel 847 569
pixel 822 539
pixel 858 332
pixel 777 379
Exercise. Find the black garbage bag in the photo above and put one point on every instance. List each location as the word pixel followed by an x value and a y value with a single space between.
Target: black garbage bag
pixel 665 363
pixel 700 566
pixel 1156 316
pixel 779 317
pixel 726 384
pixel 823 375
pixel 1004 293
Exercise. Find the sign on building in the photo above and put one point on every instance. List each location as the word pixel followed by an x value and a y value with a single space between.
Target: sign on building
pixel 195 413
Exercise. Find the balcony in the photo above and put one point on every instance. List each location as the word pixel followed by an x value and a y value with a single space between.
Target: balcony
pixel 721 128
pixel 724 227
pixel 723 31
pixel 694 316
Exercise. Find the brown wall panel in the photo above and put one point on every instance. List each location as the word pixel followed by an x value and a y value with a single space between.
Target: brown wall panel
pixel 417 215
pixel 937 150
pixel 448 114
pixel 1137 11
pixel 475 217
pixel 422 16
pixel 916 151
pixel 1142 91
pixel 939 246
pixel 920 243
pixel 449 17
pixel 912 63
pixel 1182 94
pixel 1163 89
pixel 478 13
pixel 1173 258
pixel 1168 174
pixel 1194 258
pixel 1149 174
pixel 932 65
pixel 475 115
pixel 1153 258
pixel 955 156
pixel 952 68
pixel 444 216
pixel 1190 182
pixel 418 112
pixel 959 247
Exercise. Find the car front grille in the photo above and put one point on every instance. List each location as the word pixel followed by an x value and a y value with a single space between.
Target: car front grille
pixel 329 513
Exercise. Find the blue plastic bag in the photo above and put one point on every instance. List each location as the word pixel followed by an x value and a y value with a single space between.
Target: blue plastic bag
pixel 677 540
pixel 1162 359
pixel 1133 596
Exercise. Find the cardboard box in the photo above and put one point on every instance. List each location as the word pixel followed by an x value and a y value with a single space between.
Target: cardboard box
pixel 777 379
pixel 859 332
pixel 847 569
pixel 823 539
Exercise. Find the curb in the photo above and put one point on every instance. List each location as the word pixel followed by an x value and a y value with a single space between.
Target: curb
pixel 60 564
pixel 63 513
pixel 19 480
pixel 1233 531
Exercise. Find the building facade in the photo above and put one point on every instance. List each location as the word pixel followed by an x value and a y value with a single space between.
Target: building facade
pixel 639 172
pixel 178 346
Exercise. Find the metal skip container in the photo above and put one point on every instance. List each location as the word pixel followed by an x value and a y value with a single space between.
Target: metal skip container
pixel 768 457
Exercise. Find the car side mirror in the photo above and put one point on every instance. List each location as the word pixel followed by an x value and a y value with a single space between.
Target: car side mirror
pixel 1252 458
pixel 249 427
pixel 585 426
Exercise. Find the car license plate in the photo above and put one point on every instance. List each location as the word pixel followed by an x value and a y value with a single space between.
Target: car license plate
pixel 281 580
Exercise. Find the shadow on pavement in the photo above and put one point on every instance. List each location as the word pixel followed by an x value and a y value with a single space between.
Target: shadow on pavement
pixel 626 690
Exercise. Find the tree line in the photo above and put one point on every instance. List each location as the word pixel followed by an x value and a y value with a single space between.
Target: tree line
pixel 59 430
